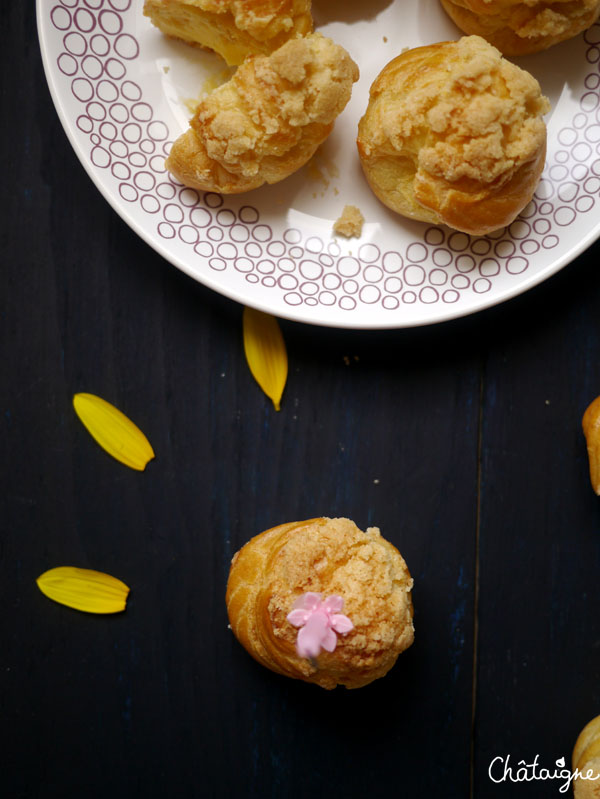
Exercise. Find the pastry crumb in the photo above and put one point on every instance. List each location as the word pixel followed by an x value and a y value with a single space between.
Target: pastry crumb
pixel 350 222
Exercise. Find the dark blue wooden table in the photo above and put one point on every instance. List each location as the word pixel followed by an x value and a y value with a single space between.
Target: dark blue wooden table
pixel 461 441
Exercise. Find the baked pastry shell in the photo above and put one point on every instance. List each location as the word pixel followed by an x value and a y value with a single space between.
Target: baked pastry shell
pixel 498 21
pixel 261 589
pixel 395 177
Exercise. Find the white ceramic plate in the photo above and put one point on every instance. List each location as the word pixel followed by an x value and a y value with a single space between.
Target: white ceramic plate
pixel 123 94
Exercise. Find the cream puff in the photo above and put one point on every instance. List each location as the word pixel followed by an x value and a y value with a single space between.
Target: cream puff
pixel 322 601
pixel 268 120
pixel 519 27
pixel 232 28
pixel 586 761
pixel 454 134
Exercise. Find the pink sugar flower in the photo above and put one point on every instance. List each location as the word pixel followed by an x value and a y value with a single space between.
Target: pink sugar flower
pixel 320 621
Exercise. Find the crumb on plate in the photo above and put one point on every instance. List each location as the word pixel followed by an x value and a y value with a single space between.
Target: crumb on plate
pixel 350 222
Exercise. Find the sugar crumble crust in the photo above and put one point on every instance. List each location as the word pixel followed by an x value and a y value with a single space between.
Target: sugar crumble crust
pixel 478 120
pixel 532 18
pixel 268 120
pixel 333 556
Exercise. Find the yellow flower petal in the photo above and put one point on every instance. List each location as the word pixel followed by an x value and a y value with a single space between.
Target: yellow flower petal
pixel 84 589
pixel 265 352
pixel 115 433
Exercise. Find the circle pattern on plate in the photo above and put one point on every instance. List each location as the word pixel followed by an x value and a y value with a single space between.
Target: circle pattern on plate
pixel 127 141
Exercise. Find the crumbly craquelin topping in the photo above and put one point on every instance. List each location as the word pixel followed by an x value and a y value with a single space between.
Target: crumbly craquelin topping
pixel 472 116
pixel 332 556
pixel 532 18
pixel 262 110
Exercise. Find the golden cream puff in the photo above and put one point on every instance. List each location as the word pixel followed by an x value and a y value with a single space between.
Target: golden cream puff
pixel 519 27
pixel 454 134
pixel 586 761
pixel 322 601
pixel 268 120
pixel 232 28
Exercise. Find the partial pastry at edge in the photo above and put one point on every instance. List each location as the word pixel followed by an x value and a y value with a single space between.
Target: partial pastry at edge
pixel 517 28
pixel 232 28
pixel 322 601
pixel 268 120
pixel 586 761
pixel 453 134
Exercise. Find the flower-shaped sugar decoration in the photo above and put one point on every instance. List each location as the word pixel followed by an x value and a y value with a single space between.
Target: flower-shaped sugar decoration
pixel 320 621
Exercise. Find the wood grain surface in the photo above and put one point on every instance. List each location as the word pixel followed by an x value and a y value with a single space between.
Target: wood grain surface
pixel 461 441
